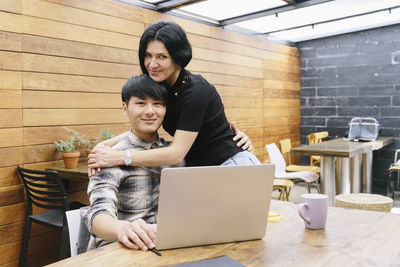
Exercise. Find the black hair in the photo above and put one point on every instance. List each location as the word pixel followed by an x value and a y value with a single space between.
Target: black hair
pixel 174 39
pixel 143 86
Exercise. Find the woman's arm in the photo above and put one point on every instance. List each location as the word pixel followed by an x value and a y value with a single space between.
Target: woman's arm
pixel 171 155
pixel 112 141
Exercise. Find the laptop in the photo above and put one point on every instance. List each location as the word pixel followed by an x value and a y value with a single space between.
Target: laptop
pixel 213 204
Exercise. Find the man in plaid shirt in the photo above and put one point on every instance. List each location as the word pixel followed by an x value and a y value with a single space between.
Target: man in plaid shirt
pixel 124 199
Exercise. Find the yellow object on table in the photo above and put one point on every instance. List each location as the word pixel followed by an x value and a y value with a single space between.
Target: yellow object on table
pixel 364 201
pixel 274 216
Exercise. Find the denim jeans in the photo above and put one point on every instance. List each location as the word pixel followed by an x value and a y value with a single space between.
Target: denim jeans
pixel 242 158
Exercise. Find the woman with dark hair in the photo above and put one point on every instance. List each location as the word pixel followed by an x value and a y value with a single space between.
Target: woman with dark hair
pixel 195 114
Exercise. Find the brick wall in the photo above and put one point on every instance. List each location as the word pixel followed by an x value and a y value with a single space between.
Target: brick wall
pixel 349 75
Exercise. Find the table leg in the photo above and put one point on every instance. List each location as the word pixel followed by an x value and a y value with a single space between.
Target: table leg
pixel 367 161
pixel 343 176
pixel 355 171
pixel 328 184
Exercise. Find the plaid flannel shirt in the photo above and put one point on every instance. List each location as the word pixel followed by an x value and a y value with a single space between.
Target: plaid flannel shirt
pixel 124 192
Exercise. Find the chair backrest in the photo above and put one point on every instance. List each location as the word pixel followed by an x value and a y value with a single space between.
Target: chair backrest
pixel 74 223
pixel 276 158
pixel 286 146
pixel 315 138
pixel 43 189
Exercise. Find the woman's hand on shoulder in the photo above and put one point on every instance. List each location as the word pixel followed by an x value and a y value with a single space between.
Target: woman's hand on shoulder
pixel 243 140
pixel 103 156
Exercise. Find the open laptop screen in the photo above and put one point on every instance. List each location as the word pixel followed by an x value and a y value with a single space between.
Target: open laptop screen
pixel 217 204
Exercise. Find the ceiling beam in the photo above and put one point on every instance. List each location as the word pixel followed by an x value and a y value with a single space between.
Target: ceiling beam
pixel 270 11
pixel 333 20
pixel 173 4
pixel 290 2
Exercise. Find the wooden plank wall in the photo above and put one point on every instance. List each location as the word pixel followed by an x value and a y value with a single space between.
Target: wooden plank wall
pixel 62 63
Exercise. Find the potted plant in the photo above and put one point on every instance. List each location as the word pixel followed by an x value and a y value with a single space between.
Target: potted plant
pixel 67 150
pixel 82 140
pixel 87 143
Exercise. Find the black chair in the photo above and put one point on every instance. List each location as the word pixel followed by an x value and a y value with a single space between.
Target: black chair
pixel 46 190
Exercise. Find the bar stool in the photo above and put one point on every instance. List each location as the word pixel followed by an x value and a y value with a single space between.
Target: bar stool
pixel 364 201
pixel 284 186
pixel 393 181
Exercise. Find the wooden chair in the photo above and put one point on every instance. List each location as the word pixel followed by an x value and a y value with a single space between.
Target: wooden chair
pixel 277 159
pixel 45 190
pixel 286 146
pixel 284 187
pixel 393 181
pixel 315 138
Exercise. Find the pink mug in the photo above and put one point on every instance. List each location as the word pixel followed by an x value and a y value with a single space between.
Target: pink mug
pixel 313 209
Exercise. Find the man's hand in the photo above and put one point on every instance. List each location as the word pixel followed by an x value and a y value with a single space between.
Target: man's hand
pixel 103 156
pixel 137 234
pixel 244 140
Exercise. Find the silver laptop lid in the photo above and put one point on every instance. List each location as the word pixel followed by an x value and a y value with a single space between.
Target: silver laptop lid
pixel 208 205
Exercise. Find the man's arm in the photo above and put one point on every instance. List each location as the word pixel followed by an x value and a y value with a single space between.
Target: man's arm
pixel 134 235
pixel 102 216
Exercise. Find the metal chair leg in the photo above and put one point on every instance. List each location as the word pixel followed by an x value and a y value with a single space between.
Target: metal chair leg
pixel 388 187
pixel 25 243
pixel 317 186
pixel 64 241
pixel 308 188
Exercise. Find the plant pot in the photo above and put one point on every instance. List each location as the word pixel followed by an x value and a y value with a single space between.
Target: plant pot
pixel 71 159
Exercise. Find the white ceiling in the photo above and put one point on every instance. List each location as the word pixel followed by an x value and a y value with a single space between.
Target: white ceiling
pixel 285 21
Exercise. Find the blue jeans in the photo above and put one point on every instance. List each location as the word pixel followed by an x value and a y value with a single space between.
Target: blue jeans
pixel 242 158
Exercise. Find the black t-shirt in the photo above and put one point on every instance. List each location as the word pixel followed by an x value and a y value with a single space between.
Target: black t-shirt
pixel 195 105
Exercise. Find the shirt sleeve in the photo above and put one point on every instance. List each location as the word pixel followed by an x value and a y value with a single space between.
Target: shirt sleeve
pixel 194 105
pixel 103 195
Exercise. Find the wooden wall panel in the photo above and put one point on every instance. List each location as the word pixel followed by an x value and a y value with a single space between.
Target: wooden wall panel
pixel 8 176
pixel 61 30
pixel 10 60
pixel 10 137
pixel 206 66
pixel 71 49
pixel 10 118
pixel 10 41
pixel 52 11
pixel 63 63
pixel 10 98
pixel 11 156
pixel 13 6
pixel 108 7
pixel 228 58
pixel 44 99
pixel 46 117
pixel 61 82
pixel 10 22
pixel 12 194
pixel 10 79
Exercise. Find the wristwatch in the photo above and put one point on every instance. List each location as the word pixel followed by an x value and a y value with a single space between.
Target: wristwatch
pixel 128 159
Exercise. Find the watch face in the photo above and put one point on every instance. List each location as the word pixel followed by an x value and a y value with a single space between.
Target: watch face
pixel 127 158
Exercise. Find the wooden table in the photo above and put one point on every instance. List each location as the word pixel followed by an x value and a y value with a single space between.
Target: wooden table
pixel 80 173
pixel 354 159
pixel 351 238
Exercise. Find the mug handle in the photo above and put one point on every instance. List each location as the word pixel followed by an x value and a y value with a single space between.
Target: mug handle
pixel 301 214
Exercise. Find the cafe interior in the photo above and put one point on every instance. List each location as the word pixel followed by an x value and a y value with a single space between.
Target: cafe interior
pixel 301 78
